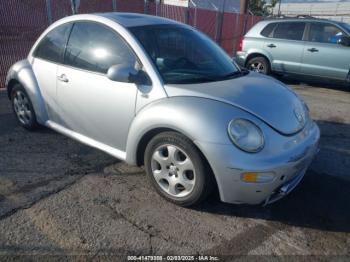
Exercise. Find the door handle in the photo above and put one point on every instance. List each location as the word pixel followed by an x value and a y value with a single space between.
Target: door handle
pixel 63 78
pixel 312 50
pixel 271 46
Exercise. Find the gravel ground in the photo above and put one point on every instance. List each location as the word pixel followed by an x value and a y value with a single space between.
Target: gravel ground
pixel 58 197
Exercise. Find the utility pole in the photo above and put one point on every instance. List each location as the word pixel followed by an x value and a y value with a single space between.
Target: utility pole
pixel 243 7
pixel 243 17
pixel 145 7
pixel 72 4
pixel 279 7
pixel 219 21
pixel 223 6
pixel 49 11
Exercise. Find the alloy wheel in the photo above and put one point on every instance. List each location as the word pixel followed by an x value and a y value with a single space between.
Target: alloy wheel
pixel 257 67
pixel 173 170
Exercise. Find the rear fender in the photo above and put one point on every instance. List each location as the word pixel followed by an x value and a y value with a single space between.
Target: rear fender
pixel 254 52
pixel 22 73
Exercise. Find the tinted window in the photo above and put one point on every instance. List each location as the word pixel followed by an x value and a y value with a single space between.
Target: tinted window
pixel 52 45
pixel 324 33
pixel 183 55
pixel 268 30
pixel 94 47
pixel 290 31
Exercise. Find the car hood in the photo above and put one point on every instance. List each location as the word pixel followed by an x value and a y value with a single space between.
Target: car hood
pixel 266 98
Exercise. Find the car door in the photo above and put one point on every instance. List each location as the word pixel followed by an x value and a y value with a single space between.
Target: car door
pixel 322 55
pixel 285 46
pixel 91 104
pixel 46 57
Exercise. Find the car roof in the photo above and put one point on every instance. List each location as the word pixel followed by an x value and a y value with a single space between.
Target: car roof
pixel 134 19
pixel 301 20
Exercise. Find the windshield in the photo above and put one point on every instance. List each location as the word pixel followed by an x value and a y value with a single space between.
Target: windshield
pixel 346 26
pixel 183 55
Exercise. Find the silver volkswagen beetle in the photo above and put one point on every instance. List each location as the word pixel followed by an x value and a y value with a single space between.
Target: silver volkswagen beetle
pixel 157 93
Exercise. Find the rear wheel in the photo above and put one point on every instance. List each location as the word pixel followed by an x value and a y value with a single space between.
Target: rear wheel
pixel 23 108
pixel 260 65
pixel 177 170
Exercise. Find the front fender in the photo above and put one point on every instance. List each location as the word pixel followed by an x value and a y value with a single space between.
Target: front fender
pixel 22 72
pixel 200 119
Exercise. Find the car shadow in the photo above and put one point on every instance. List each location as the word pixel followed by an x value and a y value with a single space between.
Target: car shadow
pixel 10 124
pixel 321 201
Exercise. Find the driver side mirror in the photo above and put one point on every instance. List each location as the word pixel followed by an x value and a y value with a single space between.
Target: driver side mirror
pixel 344 40
pixel 128 74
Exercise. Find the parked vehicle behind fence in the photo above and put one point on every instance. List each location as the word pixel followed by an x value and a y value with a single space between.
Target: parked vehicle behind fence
pixel 155 92
pixel 299 46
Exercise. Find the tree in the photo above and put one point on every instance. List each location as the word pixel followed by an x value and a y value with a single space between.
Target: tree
pixel 262 7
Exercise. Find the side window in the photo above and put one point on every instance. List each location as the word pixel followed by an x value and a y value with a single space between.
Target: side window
pixel 52 45
pixel 94 47
pixel 268 30
pixel 324 33
pixel 290 31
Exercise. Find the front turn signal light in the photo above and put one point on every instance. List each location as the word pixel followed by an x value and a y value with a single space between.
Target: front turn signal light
pixel 253 177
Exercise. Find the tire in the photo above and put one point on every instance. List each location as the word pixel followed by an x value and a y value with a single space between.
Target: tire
pixel 259 64
pixel 23 108
pixel 177 170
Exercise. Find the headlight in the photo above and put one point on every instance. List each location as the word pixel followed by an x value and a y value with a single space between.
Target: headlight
pixel 246 135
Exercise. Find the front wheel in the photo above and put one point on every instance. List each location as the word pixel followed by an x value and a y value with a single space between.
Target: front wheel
pixel 260 65
pixel 177 169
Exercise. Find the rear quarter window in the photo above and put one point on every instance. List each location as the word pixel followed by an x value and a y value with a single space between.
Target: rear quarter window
pixel 51 47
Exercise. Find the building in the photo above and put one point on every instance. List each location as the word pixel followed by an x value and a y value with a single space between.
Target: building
pixel 339 11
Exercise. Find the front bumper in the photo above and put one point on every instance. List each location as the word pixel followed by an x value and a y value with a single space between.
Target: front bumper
pixel 288 162
pixel 285 189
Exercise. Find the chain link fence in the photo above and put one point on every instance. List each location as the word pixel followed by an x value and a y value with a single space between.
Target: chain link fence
pixel 22 21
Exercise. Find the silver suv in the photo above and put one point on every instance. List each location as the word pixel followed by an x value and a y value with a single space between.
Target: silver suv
pixel 301 46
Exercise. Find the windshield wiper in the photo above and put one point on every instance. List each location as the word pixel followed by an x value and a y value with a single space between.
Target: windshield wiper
pixel 201 77
pixel 242 72
pixel 193 80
